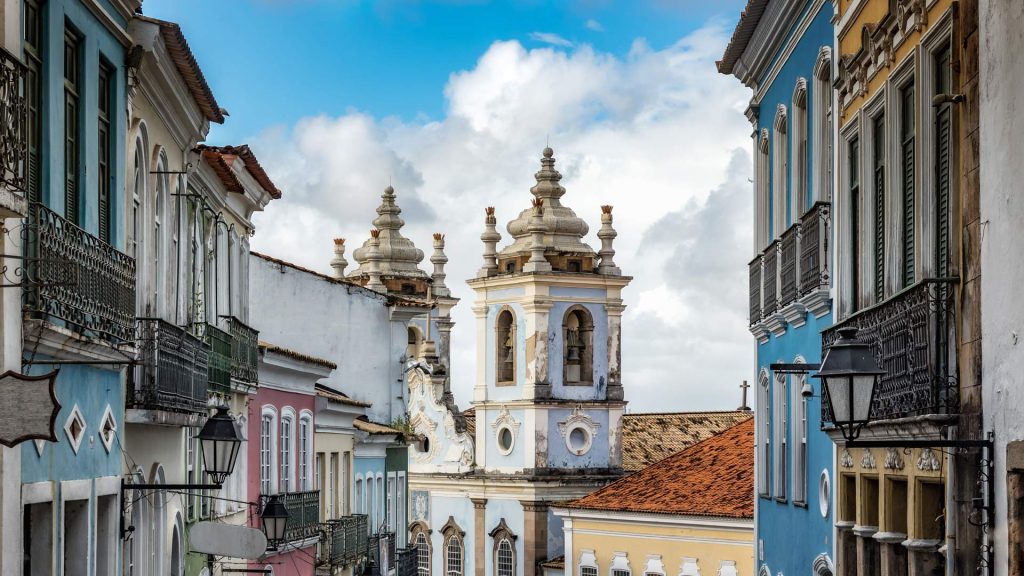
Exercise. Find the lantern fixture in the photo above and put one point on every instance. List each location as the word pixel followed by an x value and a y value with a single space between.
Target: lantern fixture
pixel 850 374
pixel 220 440
pixel 274 518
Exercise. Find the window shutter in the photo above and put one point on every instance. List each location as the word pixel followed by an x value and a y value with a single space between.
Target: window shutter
pixel 942 167
pixel 879 227
pixel 907 184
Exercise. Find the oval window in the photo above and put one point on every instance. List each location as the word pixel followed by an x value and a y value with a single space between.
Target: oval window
pixel 505 440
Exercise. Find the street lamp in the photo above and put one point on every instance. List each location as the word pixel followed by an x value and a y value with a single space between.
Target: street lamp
pixel 850 374
pixel 220 440
pixel 274 518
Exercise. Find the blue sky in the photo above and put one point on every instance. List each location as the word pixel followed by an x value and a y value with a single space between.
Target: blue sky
pixel 272 62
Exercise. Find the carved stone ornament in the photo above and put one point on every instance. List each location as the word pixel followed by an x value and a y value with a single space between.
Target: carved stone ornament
pixel 29 410
pixel 424 426
pixel 867 461
pixel 928 462
pixel 893 459
pixel 846 459
pixel 578 419
pixel 505 420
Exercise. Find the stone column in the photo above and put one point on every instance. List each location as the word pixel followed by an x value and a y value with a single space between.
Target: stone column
pixel 535 537
pixel 479 536
pixel 893 554
pixel 867 550
pixel 846 548
pixel 538 381
pixel 615 308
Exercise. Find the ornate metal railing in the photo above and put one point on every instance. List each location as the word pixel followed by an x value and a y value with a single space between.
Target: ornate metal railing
pixel 74 279
pixel 406 562
pixel 770 286
pixel 388 538
pixel 788 278
pixel 172 371
pixel 343 540
pixel 911 334
pixel 244 351
pixel 218 343
pixel 755 290
pixel 814 234
pixel 13 121
pixel 303 513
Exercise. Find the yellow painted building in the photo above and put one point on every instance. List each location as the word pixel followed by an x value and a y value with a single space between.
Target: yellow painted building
pixel 691 513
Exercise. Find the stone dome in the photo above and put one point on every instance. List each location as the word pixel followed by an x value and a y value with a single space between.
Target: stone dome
pixel 399 256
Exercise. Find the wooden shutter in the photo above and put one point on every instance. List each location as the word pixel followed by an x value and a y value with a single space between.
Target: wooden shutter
pixel 879 222
pixel 907 157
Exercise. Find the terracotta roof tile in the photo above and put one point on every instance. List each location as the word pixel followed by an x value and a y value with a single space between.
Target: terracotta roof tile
pixel 714 477
pixel 227 155
pixel 338 396
pixel 741 35
pixel 374 428
pixel 647 438
pixel 188 67
pixel 558 562
pixel 297 355
pixel 470 415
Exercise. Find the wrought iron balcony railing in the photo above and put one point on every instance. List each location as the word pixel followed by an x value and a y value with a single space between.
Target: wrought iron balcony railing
pixel 173 369
pixel 303 513
pixel 76 280
pixel 343 540
pixel 788 278
pixel 814 236
pixel 755 290
pixel 244 351
pixel 406 562
pixel 218 344
pixel 13 121
pixel 911 333
pixel 375 545
pixel 770 285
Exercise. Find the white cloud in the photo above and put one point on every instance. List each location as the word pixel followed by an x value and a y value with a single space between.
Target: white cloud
pixel 550 38
pixel 654 133
pixel 594 25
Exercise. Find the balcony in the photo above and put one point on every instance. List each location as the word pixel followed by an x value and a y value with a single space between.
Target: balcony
pixel 406 563
pixel 173 369
pixel 912 334
pixel 77 281
pixel 303 514
pixel 343 540
pixel 755 290
pixel 788 266
pixel 218 345
pixel 13 136
pixel 385 540
pixel 244 351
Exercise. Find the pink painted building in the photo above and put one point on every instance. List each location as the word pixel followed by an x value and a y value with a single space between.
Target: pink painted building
pixel 281 452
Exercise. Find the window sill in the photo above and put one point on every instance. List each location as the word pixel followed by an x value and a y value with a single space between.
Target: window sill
pixel 800 503
pixel 580 384
pixel 504 384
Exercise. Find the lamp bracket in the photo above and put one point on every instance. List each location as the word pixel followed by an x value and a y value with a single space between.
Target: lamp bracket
pixel 798 368
pixel 985 443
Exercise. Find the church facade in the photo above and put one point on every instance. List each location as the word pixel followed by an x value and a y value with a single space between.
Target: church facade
pixel 546 416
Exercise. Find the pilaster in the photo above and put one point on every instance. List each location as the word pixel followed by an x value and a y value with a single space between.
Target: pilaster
pixel 535 532
pixel 479 535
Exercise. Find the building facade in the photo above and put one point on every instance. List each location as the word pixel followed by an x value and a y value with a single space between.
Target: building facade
pixel 782 50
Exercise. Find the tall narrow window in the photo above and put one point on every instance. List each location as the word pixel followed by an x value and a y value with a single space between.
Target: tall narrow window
pixel 72 126
pixel 305 440
pixel 506 560
pixel 505 348
pixel 266 435
pixel 781 456
pixel 577 342
pixel 286 453
pixel 332 481
pixel 359 508
pixel 943 157
pixel 453 556
pixel 798 184
pixel 907 160
pixel 878 231
pixel 780 172
pixel 821 109
pixel 762 188
pixel 33 36
pixel 763 441
pixel 105 149
pixel 422 555
pixel 853 162
pixel 799 403
pixel 190 469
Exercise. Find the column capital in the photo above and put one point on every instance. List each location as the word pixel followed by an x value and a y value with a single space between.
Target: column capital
pixel 479 503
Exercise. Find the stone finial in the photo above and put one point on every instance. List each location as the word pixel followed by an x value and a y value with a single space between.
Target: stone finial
pixel 607 234
pixel 338 262
pixel 373 257
pixel 537 261
pixel 439 259
pixel 490 238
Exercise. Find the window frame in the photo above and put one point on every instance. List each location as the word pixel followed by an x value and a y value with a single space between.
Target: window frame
pixel 780 431
pixel 799 144
pixel 822 122
pixel 500 536
pixel 305 451
pixel 763 436
pixel 269 484
pixel 780 172
pixel 287 446
pixel 451 532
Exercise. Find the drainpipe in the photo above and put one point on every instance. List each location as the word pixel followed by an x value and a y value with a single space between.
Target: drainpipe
pixel 950 516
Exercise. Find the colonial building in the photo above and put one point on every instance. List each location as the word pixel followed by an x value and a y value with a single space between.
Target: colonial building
pixel 907 277
pixel 547 402
pixel 782 50
pixel 688 514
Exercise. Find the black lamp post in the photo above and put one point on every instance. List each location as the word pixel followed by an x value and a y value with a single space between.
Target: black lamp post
pixel 220 441
pixel 849 373
pixel 274 518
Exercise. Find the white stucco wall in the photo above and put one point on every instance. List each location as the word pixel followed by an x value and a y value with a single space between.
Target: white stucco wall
pixel 1002 238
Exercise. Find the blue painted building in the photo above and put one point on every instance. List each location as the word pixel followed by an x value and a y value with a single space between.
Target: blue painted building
pixel 79 288
pixel 781 49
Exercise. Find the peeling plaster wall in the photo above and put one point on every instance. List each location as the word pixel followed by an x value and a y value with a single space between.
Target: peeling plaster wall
pixel 500 393
pixel 556 372
pixel 558 453
pixel 459 508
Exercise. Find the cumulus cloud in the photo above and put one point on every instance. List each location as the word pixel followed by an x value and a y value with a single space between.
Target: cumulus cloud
pixel 654 133
pixel 594 25
pixel 550 38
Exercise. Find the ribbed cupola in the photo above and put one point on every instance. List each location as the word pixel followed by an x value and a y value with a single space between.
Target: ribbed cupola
pixel 399 257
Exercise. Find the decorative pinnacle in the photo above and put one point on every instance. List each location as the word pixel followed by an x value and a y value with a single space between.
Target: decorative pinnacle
pixel 607 253
pixel 606 208
pixel 490 238
pixel 373 258
pixel 339 241
pixel 439 259
pixel 339 263
pixel 374 232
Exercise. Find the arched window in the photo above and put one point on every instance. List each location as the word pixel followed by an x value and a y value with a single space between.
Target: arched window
pixel 287 450
pixel 305 451
pixel 157 256
pixel 379 499
pixel 177 554
pixel 821 123
pixel 781 415
pixel 422 544
pixel 359 507
pixel 588 563
pixel 371 508
pixel 137 244
pixel 505 348
pixel 578 347
pixel 268 452
pixel 157 523
pixel 780 169
pixel 798 179
pixel 414 340
pixel 799 437
pixel 453 538
pixel 504 550
pixel 763 441
pixel 761 187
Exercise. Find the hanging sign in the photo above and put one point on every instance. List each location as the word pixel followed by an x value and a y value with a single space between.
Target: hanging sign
pixel 29 407
pixel 228 540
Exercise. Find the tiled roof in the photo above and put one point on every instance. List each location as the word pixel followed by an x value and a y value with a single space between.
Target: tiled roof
pixel 470 415
pixel 297 355
pixel 714 477
pixel 558 562
pixel 338 396
pixel 745 28
pixel 188 67
pixel 222 157
pixel 374 428
pixel 647 438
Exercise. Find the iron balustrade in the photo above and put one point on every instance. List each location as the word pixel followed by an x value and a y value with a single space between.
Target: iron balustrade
pixel 76 280
pixel 343 540
pixel 244 351
pixel 303 513
pixel 770 284
pixel 172 371
pixel 375 547
pixel 911 334
pixel 814 235
pixel 406 564
pixel 218 343
pixel 13 121
pixel 755 290
pixel 788 279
